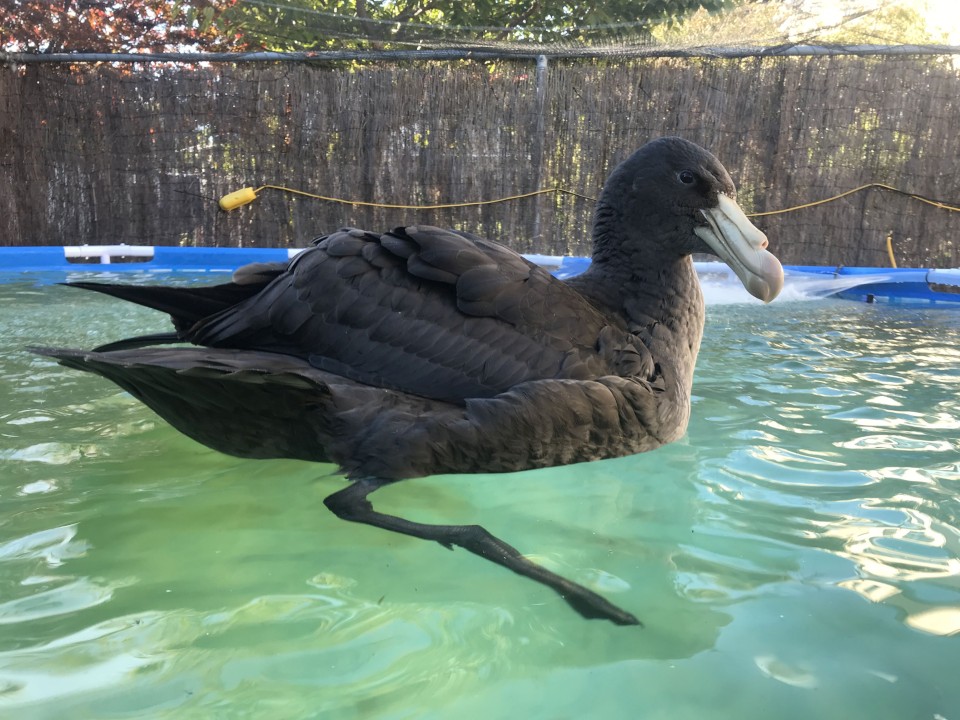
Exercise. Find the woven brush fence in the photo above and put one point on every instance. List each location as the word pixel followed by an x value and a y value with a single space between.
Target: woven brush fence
pixel 141 154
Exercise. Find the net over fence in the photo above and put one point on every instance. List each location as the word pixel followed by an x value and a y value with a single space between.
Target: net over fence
pixel 140 153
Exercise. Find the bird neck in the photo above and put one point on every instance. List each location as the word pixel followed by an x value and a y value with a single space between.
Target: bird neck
pixel 654 295
pixel 634 278
pixel 646 293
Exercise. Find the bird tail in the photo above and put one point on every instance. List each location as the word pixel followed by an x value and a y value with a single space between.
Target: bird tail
pixel 243 403
pixel 185 305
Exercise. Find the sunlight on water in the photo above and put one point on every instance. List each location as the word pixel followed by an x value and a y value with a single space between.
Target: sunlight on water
pixel 797 555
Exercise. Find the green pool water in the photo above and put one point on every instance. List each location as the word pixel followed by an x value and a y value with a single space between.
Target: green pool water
pixel 797 555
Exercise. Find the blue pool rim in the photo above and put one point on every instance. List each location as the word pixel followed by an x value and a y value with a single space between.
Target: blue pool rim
pixel 53 262
pixel 162 259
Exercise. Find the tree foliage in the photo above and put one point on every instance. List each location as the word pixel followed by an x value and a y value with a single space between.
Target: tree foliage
pixel 47 26
pixel 776 22
pixel 315 24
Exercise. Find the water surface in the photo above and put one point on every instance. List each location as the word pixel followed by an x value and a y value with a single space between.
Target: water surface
pixel 797 555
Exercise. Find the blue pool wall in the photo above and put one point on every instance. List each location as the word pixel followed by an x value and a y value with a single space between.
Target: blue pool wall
pixel 49 263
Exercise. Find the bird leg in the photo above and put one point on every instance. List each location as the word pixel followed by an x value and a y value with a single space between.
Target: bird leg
pixel 352 504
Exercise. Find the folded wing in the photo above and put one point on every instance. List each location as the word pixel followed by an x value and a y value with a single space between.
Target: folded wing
pixel 427 311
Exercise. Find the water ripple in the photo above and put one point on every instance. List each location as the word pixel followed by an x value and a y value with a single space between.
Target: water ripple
pixel 201 660
pixel 71 597
pixel 804 536
pixel 858 468
pixel 52 546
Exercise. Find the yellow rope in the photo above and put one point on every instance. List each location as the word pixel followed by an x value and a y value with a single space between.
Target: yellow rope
pixel 247 195
pixel 935 203
pixel 439 206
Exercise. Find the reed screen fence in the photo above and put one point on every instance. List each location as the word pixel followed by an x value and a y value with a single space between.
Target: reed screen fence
pixel 140 154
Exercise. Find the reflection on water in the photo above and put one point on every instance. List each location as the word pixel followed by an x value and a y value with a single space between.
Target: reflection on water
pixel 869 484
pixel 799 550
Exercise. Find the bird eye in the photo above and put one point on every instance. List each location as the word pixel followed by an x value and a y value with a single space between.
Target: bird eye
pixel 687 177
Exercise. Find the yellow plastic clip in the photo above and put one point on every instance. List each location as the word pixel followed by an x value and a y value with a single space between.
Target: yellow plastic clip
pixel 237 198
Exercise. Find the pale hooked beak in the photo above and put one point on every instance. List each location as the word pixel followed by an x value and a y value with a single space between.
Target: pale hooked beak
pixel 742 246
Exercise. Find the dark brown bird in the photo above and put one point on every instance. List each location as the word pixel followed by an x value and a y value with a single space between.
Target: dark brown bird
pixel 422 351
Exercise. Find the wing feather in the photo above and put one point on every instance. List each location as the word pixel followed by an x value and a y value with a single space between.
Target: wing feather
pixel 432 312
